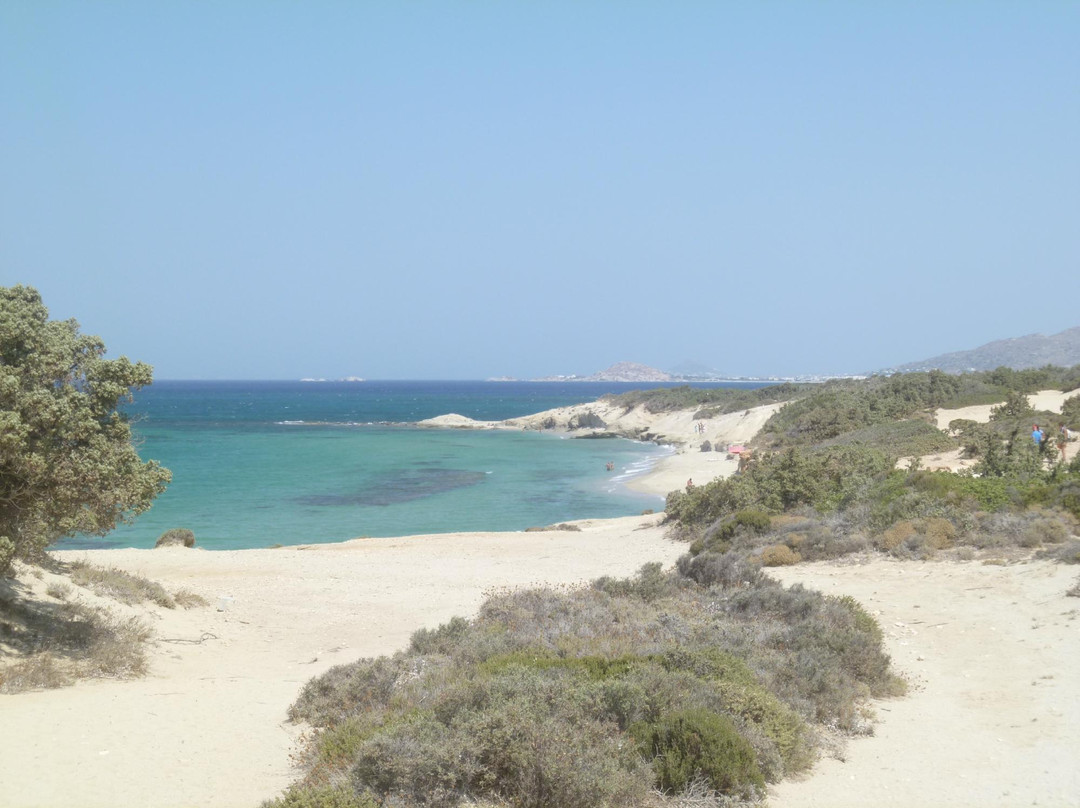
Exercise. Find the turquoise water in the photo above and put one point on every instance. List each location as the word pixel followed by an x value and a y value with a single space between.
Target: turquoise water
pixel 261 463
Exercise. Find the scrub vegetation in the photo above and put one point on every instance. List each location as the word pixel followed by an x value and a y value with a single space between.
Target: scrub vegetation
pixel 55 640
pixel 825 482
pixel 710 401
pixel 703 680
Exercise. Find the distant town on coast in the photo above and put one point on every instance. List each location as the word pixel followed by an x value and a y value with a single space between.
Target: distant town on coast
pixel 1033 350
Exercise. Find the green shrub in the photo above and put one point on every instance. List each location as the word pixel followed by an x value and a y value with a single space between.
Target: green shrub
pixel 712 569
pixel 649 585
pixel 346 689
pixel 901 438
pixel 1070 412
pixel 321 797
pixel 441 640
pixel 690 744
pixel 514 735
pixel 711 401
pixel 541 699
pixel 1015 406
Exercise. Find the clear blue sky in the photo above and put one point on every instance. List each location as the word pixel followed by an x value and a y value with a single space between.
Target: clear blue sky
pixel 472 189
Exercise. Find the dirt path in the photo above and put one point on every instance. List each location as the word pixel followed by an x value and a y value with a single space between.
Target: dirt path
pixel 993 716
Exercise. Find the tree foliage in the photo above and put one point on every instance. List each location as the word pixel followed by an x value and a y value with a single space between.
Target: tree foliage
pixel 67 462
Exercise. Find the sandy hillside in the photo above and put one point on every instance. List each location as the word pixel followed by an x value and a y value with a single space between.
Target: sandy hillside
pixel 1044 400
pixel 676 429
pixel 1048 400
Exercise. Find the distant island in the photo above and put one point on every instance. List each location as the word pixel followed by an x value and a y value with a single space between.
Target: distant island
pixel 636 373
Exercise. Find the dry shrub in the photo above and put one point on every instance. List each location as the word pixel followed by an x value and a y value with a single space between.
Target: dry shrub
pixel 561 526
pixel 119 585
pixel 940 533
pixel 1074 592
pixel 779 555
pixel 58 590
pixel 1068 553
pixel 41 671
pixel 186 599
pixel 1046 530
pixel 328 796
pixel 788 521
pixel 71 642
pixel 896 535
pixel 698 794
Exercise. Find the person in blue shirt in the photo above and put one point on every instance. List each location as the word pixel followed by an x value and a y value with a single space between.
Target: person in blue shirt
pixel 1037 435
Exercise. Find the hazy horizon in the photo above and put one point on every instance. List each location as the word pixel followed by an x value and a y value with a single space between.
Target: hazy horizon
pixel 476 190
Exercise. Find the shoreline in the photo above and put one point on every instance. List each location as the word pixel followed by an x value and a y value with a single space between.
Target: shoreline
pixel 990 652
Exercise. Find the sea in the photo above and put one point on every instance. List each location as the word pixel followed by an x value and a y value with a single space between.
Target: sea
pixel 259 464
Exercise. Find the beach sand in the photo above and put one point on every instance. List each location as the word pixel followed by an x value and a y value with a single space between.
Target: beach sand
pixel 992 716
pixel 207 727
pixel 992 653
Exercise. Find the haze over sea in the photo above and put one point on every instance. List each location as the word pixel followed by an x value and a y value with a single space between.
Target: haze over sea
pixel 261 463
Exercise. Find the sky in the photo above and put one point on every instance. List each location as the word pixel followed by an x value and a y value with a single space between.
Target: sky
pixel 465 190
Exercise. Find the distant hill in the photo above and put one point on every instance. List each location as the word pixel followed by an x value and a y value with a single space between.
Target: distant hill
pixel 619 372
pixel 1032 351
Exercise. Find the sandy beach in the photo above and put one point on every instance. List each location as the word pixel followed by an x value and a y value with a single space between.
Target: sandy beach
pixel 992 654
pixel 207 726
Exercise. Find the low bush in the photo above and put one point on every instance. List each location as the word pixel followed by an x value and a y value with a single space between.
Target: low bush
pixel 692 744
pixel 54 647
pixel 119 585
pixel 176 537
pixel 186 599
pixel 1068 553
pixel 547 697
pixel 779 555
pixel 321 797
pixel 710 401
pixel 911 437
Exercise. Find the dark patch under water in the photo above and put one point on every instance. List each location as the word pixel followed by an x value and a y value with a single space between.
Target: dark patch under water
pixel 402 486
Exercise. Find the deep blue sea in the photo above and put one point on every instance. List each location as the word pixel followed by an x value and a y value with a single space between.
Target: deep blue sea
pixel 256 464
